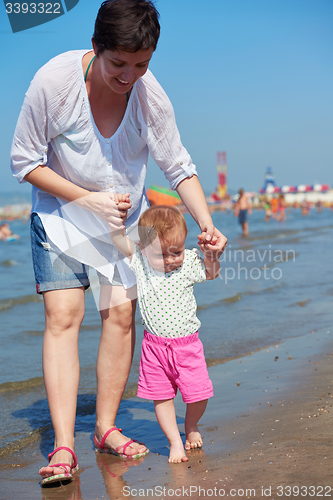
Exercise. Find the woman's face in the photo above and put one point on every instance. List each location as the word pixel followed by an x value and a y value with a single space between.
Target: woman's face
pixel 120 70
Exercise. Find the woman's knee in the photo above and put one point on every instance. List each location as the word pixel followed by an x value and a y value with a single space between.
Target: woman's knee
pixel 122 315
pixel 64 310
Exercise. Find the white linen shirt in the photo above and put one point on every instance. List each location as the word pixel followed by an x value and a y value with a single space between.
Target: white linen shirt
pixel 166 300
pixel 56 128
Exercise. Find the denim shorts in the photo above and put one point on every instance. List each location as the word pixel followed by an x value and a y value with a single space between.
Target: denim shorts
pixel 55 270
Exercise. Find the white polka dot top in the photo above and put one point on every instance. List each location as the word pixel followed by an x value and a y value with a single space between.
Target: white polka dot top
pixel 166 300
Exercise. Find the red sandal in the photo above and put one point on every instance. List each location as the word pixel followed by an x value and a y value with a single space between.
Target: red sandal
pixel 120 450
pixel 69 470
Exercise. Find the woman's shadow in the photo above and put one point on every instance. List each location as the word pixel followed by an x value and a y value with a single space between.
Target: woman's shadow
pixel 136 417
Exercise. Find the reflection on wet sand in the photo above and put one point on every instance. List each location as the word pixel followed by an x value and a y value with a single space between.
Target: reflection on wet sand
pixel 112 469
pixel 66 491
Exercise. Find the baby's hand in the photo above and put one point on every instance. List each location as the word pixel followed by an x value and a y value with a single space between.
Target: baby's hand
pixel 121 198
pixel 208 249
pixel 122 205
pixel 208 253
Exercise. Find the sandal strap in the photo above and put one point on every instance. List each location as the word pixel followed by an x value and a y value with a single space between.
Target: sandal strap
pixel 50 455
pixel 124 446
pixel 64 466
pixel 107 433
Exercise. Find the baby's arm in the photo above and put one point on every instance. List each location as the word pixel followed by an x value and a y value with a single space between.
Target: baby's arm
pixel 118 236
pixel 211 261
pixel 211 256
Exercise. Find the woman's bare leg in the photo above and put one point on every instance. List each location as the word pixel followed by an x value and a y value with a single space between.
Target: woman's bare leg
pixel 114 361
pixel 194 412
pixel 64 312
pixel 166 417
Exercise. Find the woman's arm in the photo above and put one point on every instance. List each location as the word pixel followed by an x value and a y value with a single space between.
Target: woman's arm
pixel 194 199
pixel 102 204
pixel 159 130
pixel 50 182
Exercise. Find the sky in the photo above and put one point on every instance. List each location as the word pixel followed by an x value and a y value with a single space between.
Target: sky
pixel 253 78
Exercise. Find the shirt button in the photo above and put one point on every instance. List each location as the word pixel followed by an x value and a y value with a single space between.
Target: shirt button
pixel 107 141
pixel 111 185
pixel 109 163
pixel 181 163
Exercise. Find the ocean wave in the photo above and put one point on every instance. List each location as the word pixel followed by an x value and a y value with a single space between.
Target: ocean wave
pixel 9 263
pixel 227 300
pixel 35 333
pixel 233 299
pixel 15 445
pixel 21 385
pixel 6 304
pixel 295 235
pixel 301 303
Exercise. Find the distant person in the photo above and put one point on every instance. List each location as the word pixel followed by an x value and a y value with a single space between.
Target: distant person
pixel 274 206
pixel 281 208
pixel 88 122
pixel 242 210
pixel 6 233
pixel 267 208
pixel 305 207
pixel 172 355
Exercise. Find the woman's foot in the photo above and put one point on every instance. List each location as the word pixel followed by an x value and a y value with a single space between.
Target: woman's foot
pixel 177 453
pixel 193 440
pixel 60 457
pixel 116 440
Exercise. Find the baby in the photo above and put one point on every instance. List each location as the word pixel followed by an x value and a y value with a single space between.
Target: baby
pixel 172 355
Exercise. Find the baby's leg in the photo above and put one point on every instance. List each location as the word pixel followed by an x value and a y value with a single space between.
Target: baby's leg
pixel 194 412
pixel 166 417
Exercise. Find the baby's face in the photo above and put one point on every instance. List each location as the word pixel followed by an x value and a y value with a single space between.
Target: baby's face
pixel 166 256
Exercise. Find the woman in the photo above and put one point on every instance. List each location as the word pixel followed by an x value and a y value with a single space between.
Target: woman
pixel 87 124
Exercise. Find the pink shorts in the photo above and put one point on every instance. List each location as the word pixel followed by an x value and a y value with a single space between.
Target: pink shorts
pixel 170 363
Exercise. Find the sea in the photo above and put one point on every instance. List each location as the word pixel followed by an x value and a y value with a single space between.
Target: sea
pixel 274 284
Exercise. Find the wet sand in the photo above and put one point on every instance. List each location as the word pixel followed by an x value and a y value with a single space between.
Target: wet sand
pixel 267 434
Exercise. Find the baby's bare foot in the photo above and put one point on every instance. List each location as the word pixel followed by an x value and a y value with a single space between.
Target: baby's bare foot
pixel 193 440
pixel 177 453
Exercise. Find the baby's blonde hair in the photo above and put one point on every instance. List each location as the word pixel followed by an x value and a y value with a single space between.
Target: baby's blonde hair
pixel 163 221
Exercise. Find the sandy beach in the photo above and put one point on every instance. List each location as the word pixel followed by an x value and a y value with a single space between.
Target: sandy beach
pixel 267 434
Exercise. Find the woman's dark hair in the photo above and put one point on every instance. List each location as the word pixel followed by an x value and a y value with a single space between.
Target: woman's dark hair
pixel 128 25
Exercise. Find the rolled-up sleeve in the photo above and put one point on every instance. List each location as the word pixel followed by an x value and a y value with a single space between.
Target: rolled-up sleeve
pixel 159 129
pixel 30 142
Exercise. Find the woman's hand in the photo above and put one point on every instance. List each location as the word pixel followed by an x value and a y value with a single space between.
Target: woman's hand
pixel 110 207
pixel 212 242
pixel 194 199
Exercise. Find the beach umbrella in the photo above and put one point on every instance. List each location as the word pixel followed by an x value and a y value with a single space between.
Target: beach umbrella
pixel 302 188
pixel 321 187
pixel 288 189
